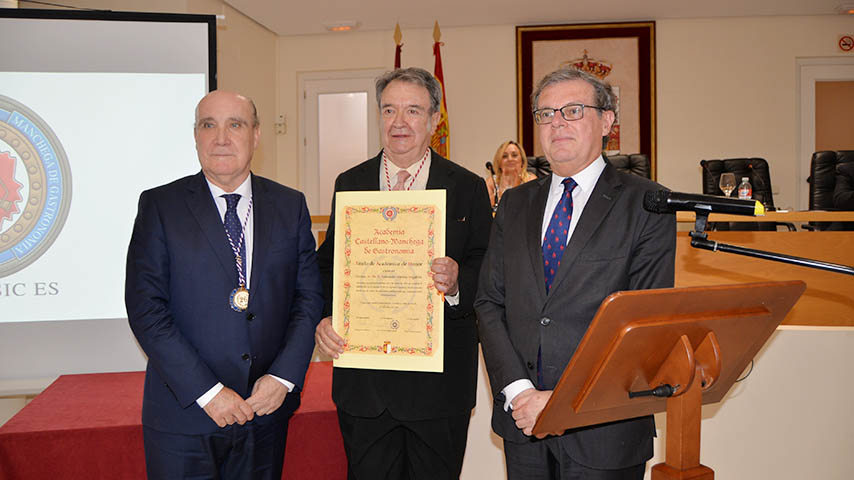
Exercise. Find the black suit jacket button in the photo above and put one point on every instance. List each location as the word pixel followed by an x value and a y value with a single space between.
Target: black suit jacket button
pixel 245 356
pixel 530 366
pixel 545 321
pixel 250 317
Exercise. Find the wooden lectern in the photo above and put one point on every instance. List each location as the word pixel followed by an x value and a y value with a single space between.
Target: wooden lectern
pixel 697 340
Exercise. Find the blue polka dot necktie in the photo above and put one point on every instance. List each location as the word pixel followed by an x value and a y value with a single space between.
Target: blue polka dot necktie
pixel 554 241
pixel 233 227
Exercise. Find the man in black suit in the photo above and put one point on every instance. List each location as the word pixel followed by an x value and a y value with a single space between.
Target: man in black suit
pixel 559 246
pixel 401 425
pixel 223 294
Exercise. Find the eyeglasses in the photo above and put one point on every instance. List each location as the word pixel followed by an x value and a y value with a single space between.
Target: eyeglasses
pixel 570 112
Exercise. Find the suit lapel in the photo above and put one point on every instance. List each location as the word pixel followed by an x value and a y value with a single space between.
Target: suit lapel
pixel 598 206
pixel 202 207
pixel 535 232
pixel 262 220
pixel 367 178
pixel 440 176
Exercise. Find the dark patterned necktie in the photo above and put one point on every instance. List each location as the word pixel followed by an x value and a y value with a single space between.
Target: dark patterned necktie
pixel 554 241
pixel 234 229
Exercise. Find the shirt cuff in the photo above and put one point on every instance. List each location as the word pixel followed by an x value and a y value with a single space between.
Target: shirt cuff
pixel 209 395
pixel 284 382
pixel 453 300
pixel 515 388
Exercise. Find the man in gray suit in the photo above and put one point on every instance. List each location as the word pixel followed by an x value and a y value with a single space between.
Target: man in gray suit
pixel 572 239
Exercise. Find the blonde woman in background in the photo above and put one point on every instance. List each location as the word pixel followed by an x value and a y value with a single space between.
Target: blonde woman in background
pixel 510 170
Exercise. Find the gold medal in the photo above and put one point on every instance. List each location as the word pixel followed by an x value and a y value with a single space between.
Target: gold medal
pixel 239 299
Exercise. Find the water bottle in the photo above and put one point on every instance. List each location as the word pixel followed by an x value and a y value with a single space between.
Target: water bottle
pixel 745 191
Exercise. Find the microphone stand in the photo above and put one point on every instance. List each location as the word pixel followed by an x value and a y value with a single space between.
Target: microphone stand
pixel 699 239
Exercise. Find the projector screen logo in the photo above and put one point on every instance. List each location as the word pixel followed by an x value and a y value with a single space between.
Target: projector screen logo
pixel 35 186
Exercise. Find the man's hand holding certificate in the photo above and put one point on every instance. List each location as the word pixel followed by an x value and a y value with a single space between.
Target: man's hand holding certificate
pixel 390 277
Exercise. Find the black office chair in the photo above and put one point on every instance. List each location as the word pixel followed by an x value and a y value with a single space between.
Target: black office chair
pixel 758 173
pixel 636 163
pixel 539 166
pixel 829 178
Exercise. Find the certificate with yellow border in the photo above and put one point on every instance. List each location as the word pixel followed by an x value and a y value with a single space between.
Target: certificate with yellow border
pixel 384 303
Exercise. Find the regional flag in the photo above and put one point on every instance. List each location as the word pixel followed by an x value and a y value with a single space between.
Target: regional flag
pixel 441 141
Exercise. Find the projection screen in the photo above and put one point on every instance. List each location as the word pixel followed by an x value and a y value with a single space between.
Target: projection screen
pixel 95 107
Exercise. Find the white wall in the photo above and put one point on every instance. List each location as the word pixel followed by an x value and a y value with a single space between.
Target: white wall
pixel 792 418
pixel 480 84
pixel 725 88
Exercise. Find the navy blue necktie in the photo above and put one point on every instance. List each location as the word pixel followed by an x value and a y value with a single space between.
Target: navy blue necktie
pixel 233 227
pixel 554 243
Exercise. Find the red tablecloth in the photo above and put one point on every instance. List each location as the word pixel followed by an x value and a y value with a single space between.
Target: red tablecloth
pixel 89 427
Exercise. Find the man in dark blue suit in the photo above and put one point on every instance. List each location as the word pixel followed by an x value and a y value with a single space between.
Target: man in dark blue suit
pixel 223 294
pixel 560 245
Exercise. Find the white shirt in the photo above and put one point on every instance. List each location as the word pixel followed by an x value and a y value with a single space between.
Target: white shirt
pixel 419 170
pixel 246 221
pixel 586 181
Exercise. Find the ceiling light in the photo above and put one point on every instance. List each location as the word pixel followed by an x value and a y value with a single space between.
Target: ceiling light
pixel 345 26
pixel 845 9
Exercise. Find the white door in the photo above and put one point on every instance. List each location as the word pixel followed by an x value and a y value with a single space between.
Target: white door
pixel 338 130
pixel 810 71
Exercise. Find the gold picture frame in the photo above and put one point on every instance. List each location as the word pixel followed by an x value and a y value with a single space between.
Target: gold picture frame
pixel 621 53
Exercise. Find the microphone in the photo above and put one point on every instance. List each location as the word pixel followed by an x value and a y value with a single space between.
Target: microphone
pixel 665 390
pixel 494 183
pixel 664 201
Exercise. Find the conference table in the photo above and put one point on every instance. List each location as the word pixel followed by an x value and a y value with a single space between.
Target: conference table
pixel 828 300
pixel 89 426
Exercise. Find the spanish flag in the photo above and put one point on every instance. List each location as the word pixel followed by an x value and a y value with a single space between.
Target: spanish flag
pixel 441 141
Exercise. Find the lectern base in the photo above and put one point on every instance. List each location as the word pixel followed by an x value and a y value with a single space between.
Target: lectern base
pixel 662 471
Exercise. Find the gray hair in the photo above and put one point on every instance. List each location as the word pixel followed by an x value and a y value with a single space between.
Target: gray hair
pixel 603 94
pixel 255 120
pixel 414 75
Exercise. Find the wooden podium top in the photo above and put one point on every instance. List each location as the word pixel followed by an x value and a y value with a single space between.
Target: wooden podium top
pixel 631 342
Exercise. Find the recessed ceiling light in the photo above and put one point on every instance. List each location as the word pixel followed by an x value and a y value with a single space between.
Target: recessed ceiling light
pixel 344 26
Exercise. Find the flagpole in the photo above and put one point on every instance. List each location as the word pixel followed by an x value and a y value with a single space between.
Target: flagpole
pixel 398 46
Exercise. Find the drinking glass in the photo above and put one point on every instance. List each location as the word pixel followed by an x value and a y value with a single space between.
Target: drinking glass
pixel 727 183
